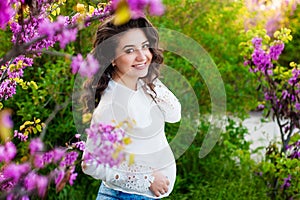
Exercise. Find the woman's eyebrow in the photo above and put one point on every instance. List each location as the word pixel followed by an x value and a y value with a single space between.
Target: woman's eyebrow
pixel 129 45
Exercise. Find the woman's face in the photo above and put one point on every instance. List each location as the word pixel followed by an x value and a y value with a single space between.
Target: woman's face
pixel 133 55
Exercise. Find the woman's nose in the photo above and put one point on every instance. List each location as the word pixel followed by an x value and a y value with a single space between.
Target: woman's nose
pixel 140 55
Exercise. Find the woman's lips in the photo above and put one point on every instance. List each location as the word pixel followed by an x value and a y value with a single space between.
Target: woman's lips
pixel 140 66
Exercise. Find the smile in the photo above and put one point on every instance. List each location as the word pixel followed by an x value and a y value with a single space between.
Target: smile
pixel 140 66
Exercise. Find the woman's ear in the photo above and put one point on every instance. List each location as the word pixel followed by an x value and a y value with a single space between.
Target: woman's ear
pixel 113 63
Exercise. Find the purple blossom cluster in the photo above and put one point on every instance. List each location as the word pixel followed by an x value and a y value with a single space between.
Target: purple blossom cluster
pixel 58 31
pixel 6 12
pixel 286 182
pixel 7 152
pixel 86 68
pixel 26 175
pixel 8 84
pixel 7 89
pixel 276 50
pixel 137 7
pixel 20 136
pixel 295 77
pixel 28 31
pixel 262 59
pixel 108 142
pixel 34 32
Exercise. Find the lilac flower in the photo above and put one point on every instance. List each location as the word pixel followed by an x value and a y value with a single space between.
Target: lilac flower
pixel 276 50
pixel 260 107
pixel 20 136
pixel 36 145
pixel 58 154
pixel 156 7
pixel 30 32
pixel 38 161
pixel 285 94
pixel 34 181
pixel 295 77
pixel 86 68
pixel 72 176
pixel 7 88
pixel 297 106
pixel 15 171
pixel 69 159
pixel 50 28
pixel 247 62
pixel 11 151
pixel 76 62
pixel 80 145
pixel 257 42
pixel 67 36
pixel 7 152
pixel 59 175
pixel 29 181
pixel 42 184
pixel 48 157
pixel 269 96
pixel 106 139
pixel 5 184
pixel 287 182
pixel 262 60
pixel 6 13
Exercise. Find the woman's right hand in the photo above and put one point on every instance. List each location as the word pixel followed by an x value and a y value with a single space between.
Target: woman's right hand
pixel 160 184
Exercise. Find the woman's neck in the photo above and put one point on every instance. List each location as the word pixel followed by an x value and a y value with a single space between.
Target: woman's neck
pixel 126 81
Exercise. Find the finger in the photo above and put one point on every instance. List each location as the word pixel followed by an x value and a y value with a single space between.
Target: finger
pixel 165 189
pixel 162 191
pixel 157 193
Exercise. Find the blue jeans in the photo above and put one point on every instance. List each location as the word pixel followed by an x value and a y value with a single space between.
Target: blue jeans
pixel 106 193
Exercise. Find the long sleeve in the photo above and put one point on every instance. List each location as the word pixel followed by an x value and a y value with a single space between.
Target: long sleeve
pixel 167 102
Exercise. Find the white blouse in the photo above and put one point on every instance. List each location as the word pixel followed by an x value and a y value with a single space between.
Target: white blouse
pixel 149 144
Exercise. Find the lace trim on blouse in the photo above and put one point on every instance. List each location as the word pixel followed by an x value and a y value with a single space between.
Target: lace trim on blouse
pixel 135 177
pixel 166 100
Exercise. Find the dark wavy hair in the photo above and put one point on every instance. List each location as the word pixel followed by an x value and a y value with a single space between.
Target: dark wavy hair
pixel 104 51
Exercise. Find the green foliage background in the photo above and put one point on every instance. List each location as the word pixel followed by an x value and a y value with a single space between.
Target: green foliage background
pixel 227 172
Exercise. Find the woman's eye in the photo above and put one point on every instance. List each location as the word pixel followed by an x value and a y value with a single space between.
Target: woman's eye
pixel 129 50
pixel 146 46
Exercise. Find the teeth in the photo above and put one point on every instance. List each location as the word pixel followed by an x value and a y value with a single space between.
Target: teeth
pixel 140 65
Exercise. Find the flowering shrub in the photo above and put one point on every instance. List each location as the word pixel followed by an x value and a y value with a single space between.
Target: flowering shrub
pixel 281 88
pixel 38 167
pixel 279 84
pixel 29 167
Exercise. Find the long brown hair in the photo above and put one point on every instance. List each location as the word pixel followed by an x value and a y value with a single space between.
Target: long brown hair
pixel 104 52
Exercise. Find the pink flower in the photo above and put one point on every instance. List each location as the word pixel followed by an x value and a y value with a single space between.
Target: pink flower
pixel 67 36
pixel 76 62
pixel 86 68
pixel 58 153
pixel 36 145
pixel 42 184
pixel 38 161
pixel 15 171
pixel 11 151
pixel 156 7
pixel 59 176
pixel 72 176
pixel 7 152
pixel 6 13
